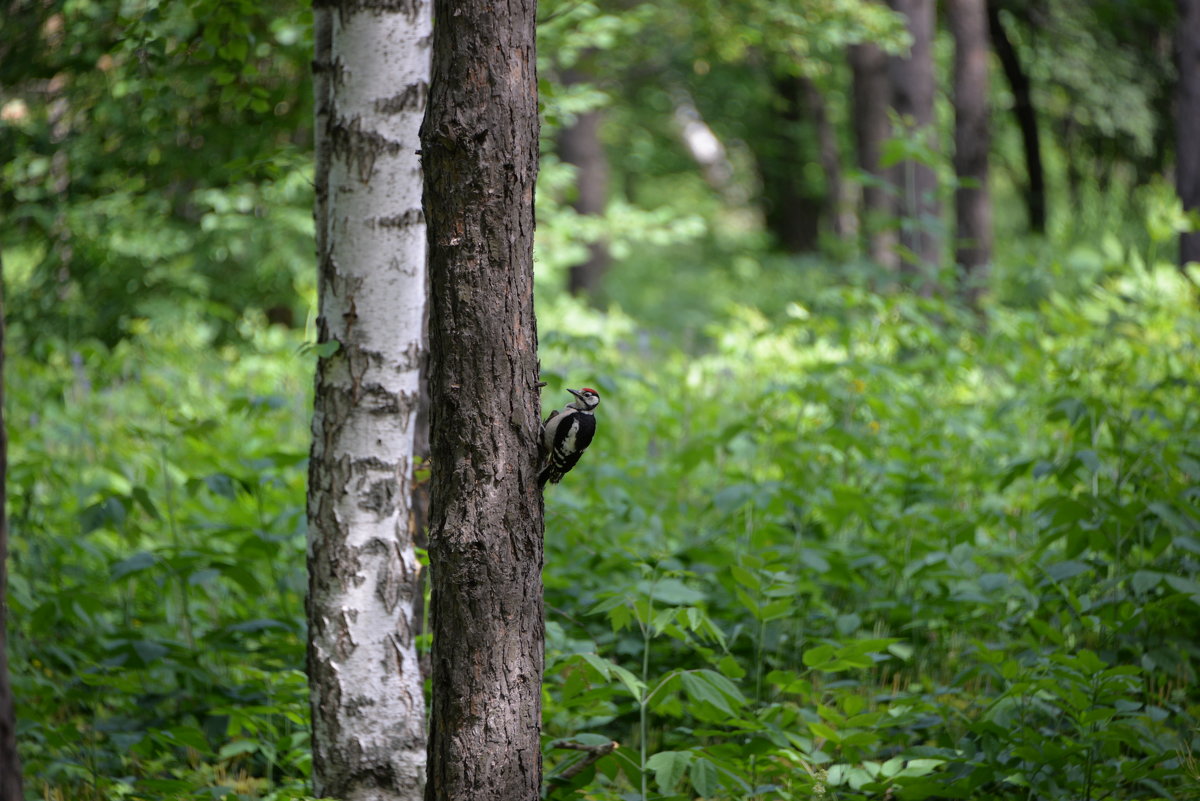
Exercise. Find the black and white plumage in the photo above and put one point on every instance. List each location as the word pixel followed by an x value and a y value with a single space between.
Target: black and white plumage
pixel 566 435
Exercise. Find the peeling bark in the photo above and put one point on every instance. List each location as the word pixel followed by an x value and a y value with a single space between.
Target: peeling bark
pixel 366 687
pixel 480 154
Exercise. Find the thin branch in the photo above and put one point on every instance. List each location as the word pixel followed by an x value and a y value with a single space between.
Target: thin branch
pixel 593 754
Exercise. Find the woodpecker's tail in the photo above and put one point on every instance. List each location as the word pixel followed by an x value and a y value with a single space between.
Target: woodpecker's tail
pixel 548 475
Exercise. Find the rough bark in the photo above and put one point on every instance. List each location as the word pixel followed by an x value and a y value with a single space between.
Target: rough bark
pixel 480 152
pixel 10 763
pixel 872 98
pixel 1026 117
pixel 579 144
pixel 1187 164
pixel 972 137
pixel 912 79
pixel 371 71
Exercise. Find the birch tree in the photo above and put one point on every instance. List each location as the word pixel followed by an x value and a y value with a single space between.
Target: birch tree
pixel 479 146
pixel 371 82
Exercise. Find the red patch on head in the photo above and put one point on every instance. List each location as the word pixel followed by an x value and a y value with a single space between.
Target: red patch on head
pixel 589 389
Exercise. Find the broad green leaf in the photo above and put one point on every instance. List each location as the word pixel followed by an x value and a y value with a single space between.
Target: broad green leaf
pixel 668 767
pixel 703 776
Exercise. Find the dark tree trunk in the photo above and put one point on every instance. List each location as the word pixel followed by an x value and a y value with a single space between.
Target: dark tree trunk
pixel 793 209
pixel 1026 116
pixel 972 199
pixel 1187 164
pixel 837 206
pixel 872 99
pixel 10 763
pixel 913 85
pixel 580 145
pixel 480 152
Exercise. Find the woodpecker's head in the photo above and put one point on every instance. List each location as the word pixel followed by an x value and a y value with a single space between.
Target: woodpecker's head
pixel 587 399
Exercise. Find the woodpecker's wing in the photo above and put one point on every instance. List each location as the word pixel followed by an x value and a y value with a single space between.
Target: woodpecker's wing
pixel 571 438
pixel 548 433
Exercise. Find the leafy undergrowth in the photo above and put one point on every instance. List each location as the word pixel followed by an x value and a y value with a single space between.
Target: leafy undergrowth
pixel 855 550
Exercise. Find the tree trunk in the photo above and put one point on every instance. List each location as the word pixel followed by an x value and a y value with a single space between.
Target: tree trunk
pixel 913 85
pixel 371 72
pixel 872 98
pixel 579 144
pixel 480 153
pixel 1026 116
pixel 972 137
pixel 10 763
pixel 793 209
pixel 1187 165
pixel 838 207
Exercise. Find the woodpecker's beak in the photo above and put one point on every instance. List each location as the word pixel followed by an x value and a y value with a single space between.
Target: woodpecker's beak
pixel 576 393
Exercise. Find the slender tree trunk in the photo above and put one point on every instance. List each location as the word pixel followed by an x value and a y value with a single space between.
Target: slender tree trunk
pixel 1026 116
pixel 579 144
pixel 480 153
pixel 838 206
pixel 371 72
pixel 972 138
pixel 793 210
pixel 10 763
pixel 872 99
pixel 913 85
pixel 1187 165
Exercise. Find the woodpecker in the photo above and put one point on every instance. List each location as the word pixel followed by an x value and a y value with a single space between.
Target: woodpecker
pixel 566 435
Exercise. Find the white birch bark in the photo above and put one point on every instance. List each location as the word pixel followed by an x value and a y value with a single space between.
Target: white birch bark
pixel 371 81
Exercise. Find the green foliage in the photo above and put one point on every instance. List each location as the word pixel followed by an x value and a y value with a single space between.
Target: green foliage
pixel 830 542
pixel 157 572
pixel 862 549
pixel 154 152
pixel 854 548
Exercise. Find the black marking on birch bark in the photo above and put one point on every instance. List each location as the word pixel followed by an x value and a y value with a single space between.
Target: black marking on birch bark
pixel 411 99
pixel 379 400
pixel 394 665
pixel 389 583
pixel 355 706
pixel 379 498
pixel 407 219
pixel 411 359
pixel 336 69
pixel 409 8
pixel 359 148
pixel 343 644
pixel 327 268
